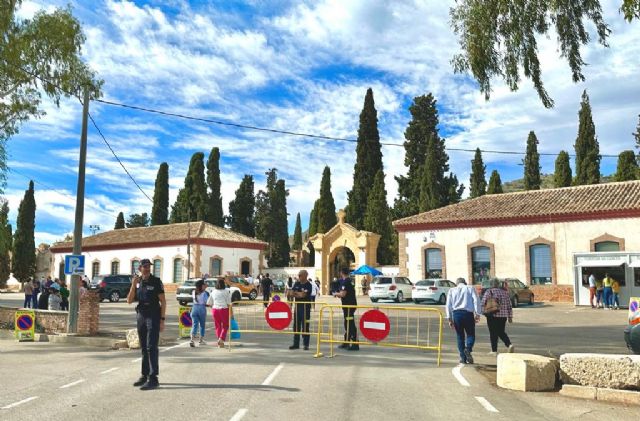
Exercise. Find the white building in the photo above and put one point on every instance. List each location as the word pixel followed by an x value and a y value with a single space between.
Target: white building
pixel 213 251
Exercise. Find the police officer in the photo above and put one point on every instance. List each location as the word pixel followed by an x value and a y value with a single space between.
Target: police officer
pixel 347 293
pixel 266 285
pixel 148 291
pixel 301 291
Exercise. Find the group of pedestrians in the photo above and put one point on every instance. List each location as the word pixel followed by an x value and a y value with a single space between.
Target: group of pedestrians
pixel 605 291
pixel 46 295
pixel 219 301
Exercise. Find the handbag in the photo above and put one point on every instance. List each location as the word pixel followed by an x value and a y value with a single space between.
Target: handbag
pixel 491 306
pixel 234 327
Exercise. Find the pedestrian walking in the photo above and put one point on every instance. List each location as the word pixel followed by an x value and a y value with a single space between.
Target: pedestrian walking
pixel 347 294
pixel 266 286
pixel 220 300
pixel 607 292
pixel 148 291
pixel 28 294
pixel 199 311
pixel 615 288
pixel 300 292
pixel 64 294
pixel 463 312
pixel 496 307
pixel 55 301
pixel 43 300
pixel 599 293
pixel 592 289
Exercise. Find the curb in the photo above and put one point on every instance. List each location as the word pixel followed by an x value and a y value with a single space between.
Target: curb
pixel 629 397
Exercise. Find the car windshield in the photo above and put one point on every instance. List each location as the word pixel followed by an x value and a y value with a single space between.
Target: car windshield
pixel 425 283
pixel 380 281
pixel 190 283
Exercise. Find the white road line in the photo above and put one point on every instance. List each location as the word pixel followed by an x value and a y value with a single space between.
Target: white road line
pixel 486 404
pixel 273 375
pixel 19 402
pixel 457 373
pixel 72 383
pixel 175 346
pixel 238 415
pixel 137 360
pixel 109 370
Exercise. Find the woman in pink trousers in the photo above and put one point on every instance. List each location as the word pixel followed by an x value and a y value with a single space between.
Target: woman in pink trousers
pixel 219 301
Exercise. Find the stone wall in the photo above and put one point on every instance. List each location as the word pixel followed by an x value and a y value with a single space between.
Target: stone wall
pixel 46 321
pixel 553 293
pixel 89 313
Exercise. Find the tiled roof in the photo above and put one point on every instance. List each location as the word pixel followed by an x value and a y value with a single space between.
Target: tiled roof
pixel 163 233
pixel 550 205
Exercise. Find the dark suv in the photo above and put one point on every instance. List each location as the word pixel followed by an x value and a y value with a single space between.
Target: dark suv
pixel 112 287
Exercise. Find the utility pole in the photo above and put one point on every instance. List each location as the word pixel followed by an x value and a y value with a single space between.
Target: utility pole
pixel 72 321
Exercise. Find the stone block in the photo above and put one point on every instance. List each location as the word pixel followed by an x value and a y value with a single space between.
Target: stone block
pixel 120 344
pixel 575 391
pixel 527 372
pixel 601 370
pixel 629 397
pixel 132 339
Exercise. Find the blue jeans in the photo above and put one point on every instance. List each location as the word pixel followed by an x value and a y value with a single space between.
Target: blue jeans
pixel 34 303
pixel 465 325
pixel 27 301
pixel 608 299
pixel 616 299
pixel 199 316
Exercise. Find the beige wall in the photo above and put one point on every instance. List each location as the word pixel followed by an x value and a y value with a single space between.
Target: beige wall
pixel 509 246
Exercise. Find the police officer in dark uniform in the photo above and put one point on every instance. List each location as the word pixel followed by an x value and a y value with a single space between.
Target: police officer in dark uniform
pixel 347 294
pixel 266 285
pixel 301 291
pixel 148 291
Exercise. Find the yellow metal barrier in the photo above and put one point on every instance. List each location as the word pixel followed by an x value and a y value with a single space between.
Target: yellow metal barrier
pixel 409 327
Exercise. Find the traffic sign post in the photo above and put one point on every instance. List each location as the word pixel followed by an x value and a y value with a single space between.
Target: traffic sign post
pixel 184 322
pixel 374 325
pixel 74 264
pixel 634 310
pixel 25 325
pixel 278 315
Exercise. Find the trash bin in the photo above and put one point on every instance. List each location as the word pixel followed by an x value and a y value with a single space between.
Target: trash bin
pixel 632 338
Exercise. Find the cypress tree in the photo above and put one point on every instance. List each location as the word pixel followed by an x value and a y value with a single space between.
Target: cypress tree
pixel 586 146
pixel 279 255
pixel 5 244
pixel 627 167
pixel 326 207
pixel 264 215
pixel 215 214
pixel 297 234
pixel 313 220
pixel 24 247
pixel 562 175
pixel 119 222
pixel 160 209
pixel 180 209
pixel 453 189
pixel 368 162
pixel 431 192
pixel 377 219
pixel 532 164
pixel 477 181
pixel 242 208
pixel 191 204
pixel 495 183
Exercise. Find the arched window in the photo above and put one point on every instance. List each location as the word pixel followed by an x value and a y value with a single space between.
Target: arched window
pixel 115 267
pixel 540 264
pixel 433 263
pixel 245 266
pixel 177 270
pixel 157 267
pixel 607 246
pixel 135 264
pixel 215 267
pixel 480 263
pixel 95 269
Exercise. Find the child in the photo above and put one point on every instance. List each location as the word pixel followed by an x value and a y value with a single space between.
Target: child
pixel 54 297
pixel 220 300
pixel 199 311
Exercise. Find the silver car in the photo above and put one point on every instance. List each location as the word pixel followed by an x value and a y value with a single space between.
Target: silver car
pixel 184 292
pixel 397 288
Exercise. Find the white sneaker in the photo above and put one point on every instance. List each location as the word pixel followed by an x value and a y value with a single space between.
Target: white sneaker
pixel 511 349
pixel 492 353
pixel 202 342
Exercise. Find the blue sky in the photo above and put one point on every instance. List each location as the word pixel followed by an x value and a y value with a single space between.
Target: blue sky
pixel 295 66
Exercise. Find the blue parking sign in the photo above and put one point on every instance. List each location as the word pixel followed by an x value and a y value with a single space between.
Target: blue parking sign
pixel 74 264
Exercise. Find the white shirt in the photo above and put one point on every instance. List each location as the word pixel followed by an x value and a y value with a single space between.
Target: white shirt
pixel 220 298
pixel 315 289
pixel 462 297
pixel 592 281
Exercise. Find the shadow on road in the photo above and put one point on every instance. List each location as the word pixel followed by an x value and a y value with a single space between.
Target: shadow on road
pixel 227 386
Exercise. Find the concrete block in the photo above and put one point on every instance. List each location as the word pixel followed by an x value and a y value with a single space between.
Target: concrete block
pixel 575 391
pixel 132 339
pixel 601 370
pixel 527 372
pixel 629 397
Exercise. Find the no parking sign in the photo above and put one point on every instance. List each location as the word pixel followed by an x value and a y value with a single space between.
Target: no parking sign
pixel 25 325
pixel 634 310
pixel 184 322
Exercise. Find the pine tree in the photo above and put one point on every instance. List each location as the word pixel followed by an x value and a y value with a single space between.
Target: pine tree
pixel 627 167
pixel 477 181
pixel 453 189
pixel 377 219
pixel 191 204
pixel 562 175
pixel 119 222
pixel 242 208
pixel 368 162
pixel 215 213
pixel 24 247
pixel 495 183
pixel 313 220
pixel 137 220
pixel 326 207
pixel 532 164
pixel 279 255
pixel 586 146
pixel 5 243
pixel 160 209
pixel 297 234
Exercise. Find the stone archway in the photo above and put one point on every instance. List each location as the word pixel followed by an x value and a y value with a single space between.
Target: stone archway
pixel 363 245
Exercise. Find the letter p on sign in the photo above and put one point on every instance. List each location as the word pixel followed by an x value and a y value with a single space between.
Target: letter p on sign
pixel 74 264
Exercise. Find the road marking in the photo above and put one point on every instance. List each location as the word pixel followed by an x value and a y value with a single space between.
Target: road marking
pixel 457 373
pixel 486 404
pixel 273 375
pixel 19 402
pixel 375 325
pixel 238 415
pixel 137 360
pixel 72 383
pixel 109 370
pixel 174 346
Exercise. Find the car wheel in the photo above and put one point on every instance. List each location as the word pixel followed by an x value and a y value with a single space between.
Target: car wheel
pixel 514 302
pixel 236 296
pixel 443 299
pixel 114 297
pixel 399 297
pixel 253 294
pixel 374 300
pixel 531 300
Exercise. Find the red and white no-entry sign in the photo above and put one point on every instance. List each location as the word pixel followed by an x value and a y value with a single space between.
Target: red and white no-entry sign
pixel 374 325
pixel 278 315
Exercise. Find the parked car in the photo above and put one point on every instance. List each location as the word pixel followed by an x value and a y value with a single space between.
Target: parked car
pixel 246 289
pixel 278 285
pixel 111 287
pixel 431 290
pixel 518 292
pixel 396 288
pixel 183 294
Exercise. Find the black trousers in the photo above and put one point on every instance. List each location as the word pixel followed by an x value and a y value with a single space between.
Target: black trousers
pixel 266 296
pixel 149 335
pixel 350 330
pixel 301 321
pixel 497 330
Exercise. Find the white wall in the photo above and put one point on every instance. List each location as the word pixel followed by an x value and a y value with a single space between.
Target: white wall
pixel 231 258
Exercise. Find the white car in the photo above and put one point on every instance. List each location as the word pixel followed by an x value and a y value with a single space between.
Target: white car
pixel 432 290
pixel 397 288
pixel 183 294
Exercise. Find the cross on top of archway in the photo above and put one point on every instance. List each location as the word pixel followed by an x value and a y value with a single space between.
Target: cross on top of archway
pixel 341 215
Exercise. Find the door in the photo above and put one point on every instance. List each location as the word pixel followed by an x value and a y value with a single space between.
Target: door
pixel 406 287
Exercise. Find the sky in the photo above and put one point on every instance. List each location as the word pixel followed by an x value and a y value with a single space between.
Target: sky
pixel 298 66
